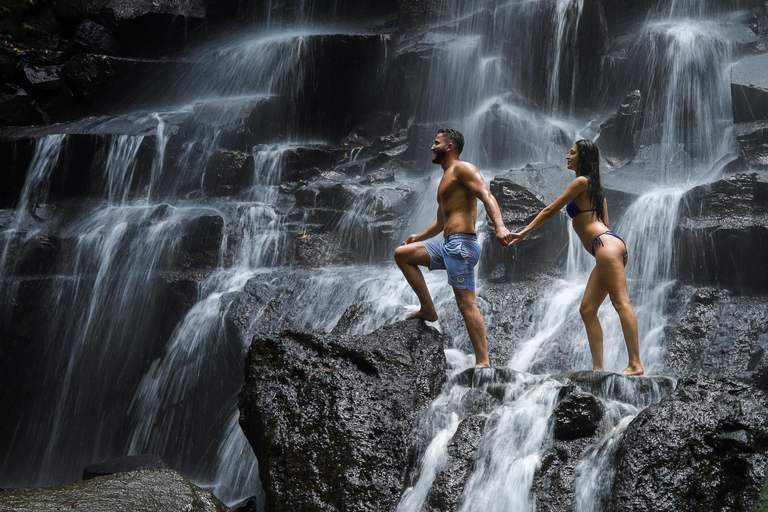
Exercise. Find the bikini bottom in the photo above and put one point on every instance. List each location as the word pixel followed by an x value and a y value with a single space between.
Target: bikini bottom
pixel 600 242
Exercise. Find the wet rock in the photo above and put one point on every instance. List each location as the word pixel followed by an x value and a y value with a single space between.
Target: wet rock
pixel 723 231
pixel 300 160
pixel 200 244
pixel 373 127
pixel 137 490
pixel 248 505
pixel 753 141
pixel 368 219
pixel 90 37
pixel 125 465
pixel 619 133
pixel 227 173
pixel 45 78
pixel 703 449
pixel 445 493
pixel 717 333
pixel 122 11
pixel 578 414
pixel 539 251
pixel 555 481
pixel 638 391
pixel 17 108
pixel 749 89
pixel 87 73
pixel 330 417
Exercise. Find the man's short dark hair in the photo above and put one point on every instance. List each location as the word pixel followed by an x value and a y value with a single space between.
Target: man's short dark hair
pixel 451 135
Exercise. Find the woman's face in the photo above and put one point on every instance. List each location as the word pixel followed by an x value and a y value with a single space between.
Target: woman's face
pixel 573 159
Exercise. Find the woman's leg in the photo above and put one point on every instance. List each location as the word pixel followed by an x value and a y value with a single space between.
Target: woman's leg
pixel 594 296
pixel 610 265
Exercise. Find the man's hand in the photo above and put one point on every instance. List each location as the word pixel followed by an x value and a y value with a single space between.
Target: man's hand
pixel 513 238
pixel 502 235
pixel 411 239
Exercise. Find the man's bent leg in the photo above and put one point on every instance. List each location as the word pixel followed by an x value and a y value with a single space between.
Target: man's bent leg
pixel 408 258
pixel 467 303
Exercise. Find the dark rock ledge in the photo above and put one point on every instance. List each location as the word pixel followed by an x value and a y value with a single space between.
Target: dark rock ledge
pixel 164 490
pixel 330 417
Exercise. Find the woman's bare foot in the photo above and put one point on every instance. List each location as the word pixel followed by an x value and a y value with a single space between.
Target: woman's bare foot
pixel 633 369
pixel 483 365
pixel 427 316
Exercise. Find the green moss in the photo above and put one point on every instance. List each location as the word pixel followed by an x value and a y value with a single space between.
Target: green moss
pixel 762 502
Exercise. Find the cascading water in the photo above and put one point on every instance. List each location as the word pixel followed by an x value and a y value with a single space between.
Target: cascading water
pixel 127 372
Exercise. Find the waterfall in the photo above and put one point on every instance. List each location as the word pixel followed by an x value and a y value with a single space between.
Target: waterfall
pixel 133 350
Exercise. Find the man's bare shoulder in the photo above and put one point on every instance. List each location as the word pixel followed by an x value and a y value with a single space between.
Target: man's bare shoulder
pixel 464 169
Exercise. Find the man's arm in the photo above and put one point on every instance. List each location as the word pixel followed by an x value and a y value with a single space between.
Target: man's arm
pixel 430 231
pixel 471 178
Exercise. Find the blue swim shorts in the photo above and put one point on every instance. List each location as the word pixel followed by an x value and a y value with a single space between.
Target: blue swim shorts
pixel 458 255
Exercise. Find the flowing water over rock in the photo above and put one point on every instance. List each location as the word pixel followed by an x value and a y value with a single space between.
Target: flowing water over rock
pixel 265 186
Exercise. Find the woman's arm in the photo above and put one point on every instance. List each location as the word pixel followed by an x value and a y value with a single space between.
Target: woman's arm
pixel 577 186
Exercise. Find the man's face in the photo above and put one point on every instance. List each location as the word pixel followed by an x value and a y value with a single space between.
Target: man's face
pixel 439 149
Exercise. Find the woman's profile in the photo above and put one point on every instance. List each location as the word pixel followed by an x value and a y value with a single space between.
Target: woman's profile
pixel 585 203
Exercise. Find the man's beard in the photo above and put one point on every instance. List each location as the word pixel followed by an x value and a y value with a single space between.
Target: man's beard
pixel 438 156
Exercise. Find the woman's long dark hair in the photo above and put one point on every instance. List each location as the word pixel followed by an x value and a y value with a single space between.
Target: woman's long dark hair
pixel 589 167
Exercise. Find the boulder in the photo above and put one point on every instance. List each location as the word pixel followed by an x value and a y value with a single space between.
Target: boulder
pixel 578 414
pixel 227 173
pixel 717 333
pixel 17 108
pixel 703 448
pixel 125 465
pixel 618 134
pixel 753 140
pixel 200 242
pixel 539 252
pixel 330 417
pixel 137 490
pixel 722 237
pixel 749 89
pixel 555 481
pixel 90 37
pixel 448 486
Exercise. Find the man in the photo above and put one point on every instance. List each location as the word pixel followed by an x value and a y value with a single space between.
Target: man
pixel 458 252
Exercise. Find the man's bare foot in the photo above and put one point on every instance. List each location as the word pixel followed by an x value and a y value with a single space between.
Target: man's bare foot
pixel 483 365
pixel 635 370
pixel 427 316
pixel 596 369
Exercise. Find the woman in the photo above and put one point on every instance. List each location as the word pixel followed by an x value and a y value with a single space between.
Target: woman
pixel 585 203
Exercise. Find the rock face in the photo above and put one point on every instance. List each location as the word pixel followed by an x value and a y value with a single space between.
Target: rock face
pixel 718 333
pixel 618 133
pixel 445 495
pixel 753 139
pixel 724 231
pixel 749 88
pixel 519 206
pixel 330 417
pixel 139 490
pixel 702 449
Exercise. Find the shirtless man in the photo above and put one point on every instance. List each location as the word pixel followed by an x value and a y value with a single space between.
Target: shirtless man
pixel 458 252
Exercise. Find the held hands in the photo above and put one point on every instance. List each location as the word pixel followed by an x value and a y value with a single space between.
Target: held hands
pixel 506 238
pixel 514 238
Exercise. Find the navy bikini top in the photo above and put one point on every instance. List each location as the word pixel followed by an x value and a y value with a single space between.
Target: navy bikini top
pixel 573 210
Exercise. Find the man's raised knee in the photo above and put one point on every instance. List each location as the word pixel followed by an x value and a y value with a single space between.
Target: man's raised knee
pixel 400 254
